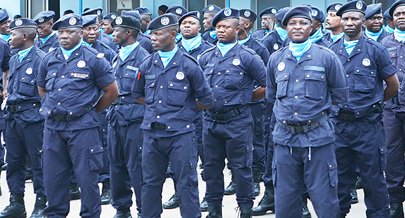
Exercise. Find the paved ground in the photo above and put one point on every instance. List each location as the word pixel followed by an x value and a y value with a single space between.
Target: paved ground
pixel 358 210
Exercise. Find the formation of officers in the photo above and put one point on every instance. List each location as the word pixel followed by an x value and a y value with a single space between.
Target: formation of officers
pixel 128 101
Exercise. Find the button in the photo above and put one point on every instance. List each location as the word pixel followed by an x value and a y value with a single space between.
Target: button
pixel 227 71
pixel 161 87
pixel 348 59
pixel 91 150
pixel 216 86
pixel 58 103
pixel 357 70
pixel 171 84
pixel 372 72
pixel 70 113
pixel 54 74
pixel 185 87
pixel 174 63
pixel 188 126
pixel 347 75
pixel 225 102
pixel 296 80
pixel 122 97
pixel 59 89
pixel 160 101
pixel 168 127
pixel 284 121
pixel 307 76
pixel 62 76
pixel 155 61
pixel 219 73
pixel 295 113
pixel 158 116
pixel 295 96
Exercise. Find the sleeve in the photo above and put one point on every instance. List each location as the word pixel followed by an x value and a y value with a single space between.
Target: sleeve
pixel 138 87
pixel 42 71
pixel 102 71
pixel 385 66
pixel 6 58
pixel 257 70
pixel 271 86
pixel 337 82
pixel 200 86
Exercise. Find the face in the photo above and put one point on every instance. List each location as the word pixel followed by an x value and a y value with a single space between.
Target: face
pixel 17 39
pixel 243 26
pixel 375 23
pixel 399 18
pixel 5 27
pixel 227 30
pixel 107 28
pixel 315 25
pixel 332 21
pixel 90 33
pixel 352 23
pixel 44 29
pixel 145 18
pixel 164 39
pixel 299 29
pixel 267 22
pixel 69 37
pixel 207 21
pixel 190 27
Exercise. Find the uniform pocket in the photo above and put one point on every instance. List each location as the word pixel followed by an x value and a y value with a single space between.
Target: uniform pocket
pixel 27 87
pixel 96 161
pixel 332 171
pixel 282 80
pixel 364 80
pixel 127 80
pixel 177 93
pixel 149 92
pixel 50 80
pixel 233 79
pixel 315 86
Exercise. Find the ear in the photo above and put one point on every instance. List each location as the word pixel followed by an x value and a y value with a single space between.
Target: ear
pixel 199 28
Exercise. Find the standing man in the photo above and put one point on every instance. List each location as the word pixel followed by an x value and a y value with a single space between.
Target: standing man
pixel 146 17
pixel 71 80
pixel 274 40
pixel 267 18
pixel 5 32
pixel 24 124
pixel 124 118
pixel 375 22
pixel 172 86
pixel 107 28
pixel 389 28
pixel 210 35
pixel 333 24
pixel 358 128
pixel 231 70
pixel 303 81
pixel 144 40
pixel 47 39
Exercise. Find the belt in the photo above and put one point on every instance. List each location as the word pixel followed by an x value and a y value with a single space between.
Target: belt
pixel 120 101
pixel 22 107
pixel 70 116
pixel 301 128
pixel 352 116
pixel 395 100
pixel 156 125
pixel 227 115
pixel 63 118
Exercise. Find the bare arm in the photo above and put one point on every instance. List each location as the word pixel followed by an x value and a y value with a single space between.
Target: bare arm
pixel 41 91
pixel 392 87
pixel 110 94
pixel 259 93
pixel 5 83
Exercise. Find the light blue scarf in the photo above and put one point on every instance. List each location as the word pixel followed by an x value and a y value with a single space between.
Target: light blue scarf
pixel 190 44
pixel 243 41
pixel 67 53
pixel 316 36
pixel 43 40
pixel 298 49
pixel 178 37
pixel 213 34
pixel 147 32
pixel 336 37
pixel 281 32
pixel 110 35
pixel 389 29
pixel 125 51
pixel 5 37
pixel 86 43
pixel 399 35
pixel 372 35
pixel 167 56
pixel 23 53
pixel 224 48
pixel 349 45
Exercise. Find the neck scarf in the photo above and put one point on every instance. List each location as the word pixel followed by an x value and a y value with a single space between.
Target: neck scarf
pixel 389 29
pixel 23 53
pixel 349 45
pixel 316 36
pixel 166 56
pixel 224 48
pixel 43 40
pixel 125 51
pixel 399 35
pixel 336 37
pixel 213 34
pixel 67 53
pixel 6 37
pixel 298 49
pixel 190 44
pixel 178 37
pixel 372 35
pixel 86 43
pixel 282 33
pixel 243 41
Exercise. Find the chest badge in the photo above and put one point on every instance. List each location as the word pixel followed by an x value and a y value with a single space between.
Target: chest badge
pixel 366 62
pixel 180 75
pixel 276 47
pixel 81 64
pixel 236 62
pixel 281 66
pixel 28 71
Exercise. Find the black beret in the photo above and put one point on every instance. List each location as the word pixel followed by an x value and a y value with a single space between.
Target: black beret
pixel 280 13
pixel 226 13
pixel 269 10
pixel 334 7
pixel 22 23
pixel 177 10
pixel 372 10
pixel 211 9
pixel 3 15
pixel 163 21
pixel 110 16
pixel 297 11
pixel 317 14
pixel 142 10
pixel 95 11
pixel 248 14
pixel 126 21
pixel 194 14
pixel 387 15
pixel 353 6
pixel 89 20
pixel 394 6
pixel 132 14
pixel 68 21
pixel 44 16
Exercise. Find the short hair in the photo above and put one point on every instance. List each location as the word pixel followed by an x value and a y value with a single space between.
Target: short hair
pixel 17 16
pixel 163 8
pixel 31 32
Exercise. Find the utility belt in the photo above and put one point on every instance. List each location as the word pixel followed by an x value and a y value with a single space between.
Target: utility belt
pixel 70 116
pixel 228 114
pixel 351 116
pixel 123 100
pixel 22 107
pixel 395 100
pixel 301 127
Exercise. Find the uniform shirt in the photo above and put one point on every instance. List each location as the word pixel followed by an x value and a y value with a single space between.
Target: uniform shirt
pixel 232 77
pixel 396 51
pixel 104 49
pixel 366 68
pixel 50 44
pixel 207 37
pixel 382 36
pixel 170 92
pixel 108 41
pixel 259 48
pixel 5 55
pixel 125 111
pixel 303 91
pixel 272 42
pixel 145 42
pixel 260 34
pixel 195 53
pixel 73 87
pixel 322 42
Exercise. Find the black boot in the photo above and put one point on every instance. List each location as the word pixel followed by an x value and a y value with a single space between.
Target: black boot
pixel 214 211
pixel 266 203
pixel 106 193
pixel 123 214
pixel 74 191
pixel 396 210
pixel 245 212
pixel 256 182
pixel 231 189
pixel 173 202
pixel 353 195
pixel 305 210
pixel 204 205
pixel 40 204
pixel 16 209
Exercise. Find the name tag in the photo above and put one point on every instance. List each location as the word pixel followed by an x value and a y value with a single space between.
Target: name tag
pixel 210 65
pixel 392 48
pixel 132 68
pixel 314 68
pixel 151 76
pixel 80 75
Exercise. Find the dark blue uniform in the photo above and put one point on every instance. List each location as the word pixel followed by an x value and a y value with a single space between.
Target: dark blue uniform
pixel 4 63
pixel 302 92
pixel 125 135
pixel 145 42
pixel 108 41
pixel 260 34
pixel 24 123
pixel 394 125
pixel 207 37
pixel 228 126
pixel 170 95
pixel 272 42
pixel 49 45
pixel 72 139
pixel 358 128
pixel 104 49
pixel 382 36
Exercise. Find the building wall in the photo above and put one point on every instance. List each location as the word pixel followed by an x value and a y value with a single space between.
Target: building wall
pixel 13 7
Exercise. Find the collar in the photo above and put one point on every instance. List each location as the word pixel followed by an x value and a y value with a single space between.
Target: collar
pixel 23 53
pixel 224 48
pixel 67 53
pixel 46 38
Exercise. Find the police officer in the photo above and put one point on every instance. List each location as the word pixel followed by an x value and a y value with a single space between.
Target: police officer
pixel 267 18
pixel 317 33
pixel 274 40
pixel 375 22
pixel 107 28
pixel 24 124
pixel 5 32
pixel 358 129
pixel 210 35
pixel 394 116
pixel 124 118
pixel 145 19
pixel 389 28
pixel 332 23
pixel 47 39
pixel 172 86
pixel 231 70
pixel 303 80
pixel 71 79
pixel 144 40
pixel 179 11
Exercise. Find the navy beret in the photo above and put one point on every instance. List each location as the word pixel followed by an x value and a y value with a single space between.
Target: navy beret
pixel 142 10
pixel 387 15
pixel 269 10
pixel 163 21
pixel 211 9
pixel 68 21
pixel 126 22
pixel 89 20
pixel 226 13
pixel 22 23
pixel 334 7
pixel 280 13
pixel 177 10
pixel 317 14
pixel 394 6
pixel 194 14
pixel 353 6
pixel 3 15
pixel 110 16
pixel 44 16
pixel 131 13
pixel 248 14
pixel 95 11
pixel 297 11
pixel 372 10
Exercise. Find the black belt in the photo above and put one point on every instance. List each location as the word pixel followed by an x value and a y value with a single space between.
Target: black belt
pixel 63 118
pixel 302 127
pixel 22 107
pixel 352 116
pixel 227 115
pixel 156 125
